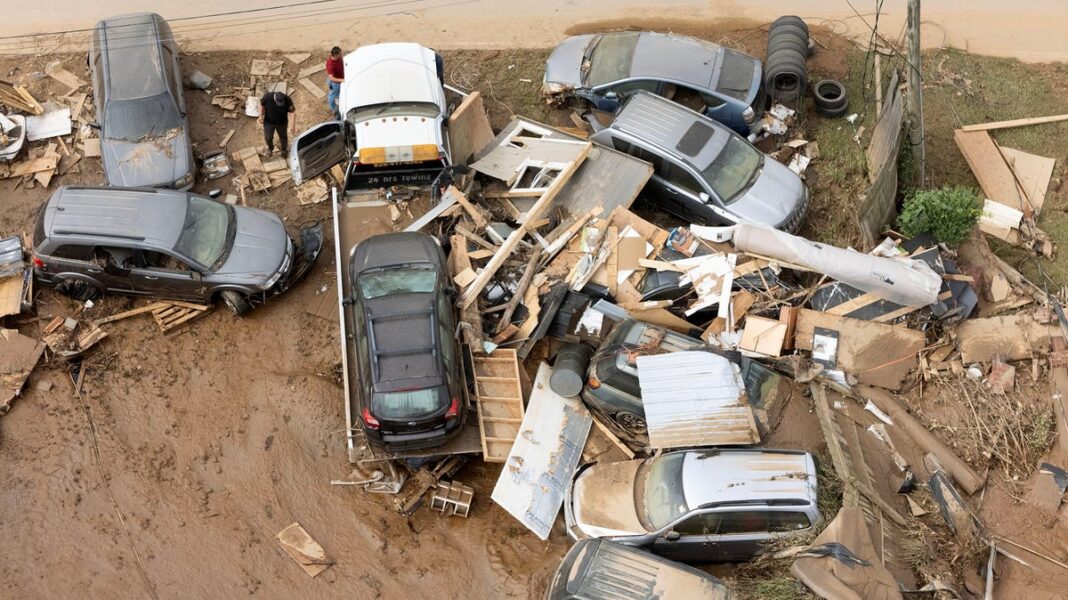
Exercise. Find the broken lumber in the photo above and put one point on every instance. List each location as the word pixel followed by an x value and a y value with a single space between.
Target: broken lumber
pixel 876 353
pixel 962 473
pixel 16 96
pixel 304 550
pixel 533 214
pixel 520 291
pixel 1014 123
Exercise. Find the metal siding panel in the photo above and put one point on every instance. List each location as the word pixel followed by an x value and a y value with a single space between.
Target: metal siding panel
pixel 544 456
pixel 694 398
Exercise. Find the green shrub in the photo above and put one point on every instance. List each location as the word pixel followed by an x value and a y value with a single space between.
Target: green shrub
pixel 949 213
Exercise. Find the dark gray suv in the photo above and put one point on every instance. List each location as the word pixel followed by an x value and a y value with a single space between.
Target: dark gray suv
pixel 167 244
pixel 410 390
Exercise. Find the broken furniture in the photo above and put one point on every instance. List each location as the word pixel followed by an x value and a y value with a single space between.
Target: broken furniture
pixel 499 400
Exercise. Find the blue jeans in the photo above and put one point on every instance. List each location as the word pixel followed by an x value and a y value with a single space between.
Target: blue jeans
pixel 335 89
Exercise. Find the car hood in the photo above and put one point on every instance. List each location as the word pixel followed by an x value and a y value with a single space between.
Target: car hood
pixel 773 197
pixel 603 502
pixel 399 131
pixel 563 69
pixel 157 162
pixel 260 244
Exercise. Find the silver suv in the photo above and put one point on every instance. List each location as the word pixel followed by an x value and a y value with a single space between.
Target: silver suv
pixel 167 244
pixel 703 505
pixel 704 172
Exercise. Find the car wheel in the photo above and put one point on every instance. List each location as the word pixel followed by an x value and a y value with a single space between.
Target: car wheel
pixel 631 423
pixel 78 289
pixel 236 301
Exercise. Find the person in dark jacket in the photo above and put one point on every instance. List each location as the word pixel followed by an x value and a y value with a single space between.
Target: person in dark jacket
pixel 274 116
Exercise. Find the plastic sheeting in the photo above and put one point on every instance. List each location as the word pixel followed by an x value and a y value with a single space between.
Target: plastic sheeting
pixel 902 280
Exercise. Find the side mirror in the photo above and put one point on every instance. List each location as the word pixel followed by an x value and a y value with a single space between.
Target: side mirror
pixel 672 536
pixel 611 95
pixel 705 197
pixel 94 125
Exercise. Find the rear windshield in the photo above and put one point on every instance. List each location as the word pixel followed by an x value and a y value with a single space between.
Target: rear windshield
pixel 205 231
pixel 736 75
pixel 136 120
pixel 394 109
pixel 406 405
pixel 397 281
pixel 611 58
pixel 734 169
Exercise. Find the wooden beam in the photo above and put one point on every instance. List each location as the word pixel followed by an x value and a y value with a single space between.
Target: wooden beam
pixel 131 313
pixel 476 215
pixel 1015 123
pixel 520 290
pixel 533 214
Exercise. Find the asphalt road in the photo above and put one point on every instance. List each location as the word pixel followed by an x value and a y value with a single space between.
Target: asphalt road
pixel 1032 31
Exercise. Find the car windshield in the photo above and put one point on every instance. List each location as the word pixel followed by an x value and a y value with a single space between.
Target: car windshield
pixel 407 404
pixel 141 118
pixel 205 232
pixel 397 281
pixel 394 109
pixel 660 491
pixel 736 75
pixel 611 58
pixel 733 170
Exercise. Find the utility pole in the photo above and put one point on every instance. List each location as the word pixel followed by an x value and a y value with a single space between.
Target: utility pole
pixel 916 129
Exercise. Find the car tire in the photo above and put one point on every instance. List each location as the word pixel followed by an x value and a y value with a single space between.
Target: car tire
pixel 236 301
pixel 78 289
pixel 786 42
pixel 830 98
pixel 789 30
pixel 631 423
pixel 789 20
pixel 832 113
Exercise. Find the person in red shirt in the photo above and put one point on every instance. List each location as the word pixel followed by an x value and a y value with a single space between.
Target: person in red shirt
pixel 335 76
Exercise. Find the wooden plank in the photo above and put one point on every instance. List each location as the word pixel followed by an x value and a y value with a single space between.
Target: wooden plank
pixel 1014 123
pixel 45 163
pixel 533 214
pixel 226 138
pixel 311 87
pixel 469 129
pixel 1033 172
pixel 989 167
pixel 878 354
pixel 16 96
pixel 131 313
pixel 312 70
pixel 63 76
pixel 476 215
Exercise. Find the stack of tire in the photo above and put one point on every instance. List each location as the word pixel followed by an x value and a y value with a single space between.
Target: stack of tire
pixel 785 72
pixel 830 98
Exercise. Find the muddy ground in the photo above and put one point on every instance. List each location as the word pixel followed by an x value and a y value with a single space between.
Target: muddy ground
pixel 191 450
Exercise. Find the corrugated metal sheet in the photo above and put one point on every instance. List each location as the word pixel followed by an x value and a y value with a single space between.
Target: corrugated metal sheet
pixel 544 456
pixel 695 398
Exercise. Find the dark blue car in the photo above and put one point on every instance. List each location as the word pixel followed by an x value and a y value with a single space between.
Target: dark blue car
pixel 603 69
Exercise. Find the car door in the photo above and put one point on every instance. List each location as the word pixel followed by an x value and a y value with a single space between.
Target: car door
pixel 318 149
pixel 690 539
pixel 741 534
pixel 167 276
pixel 683 192
pixel 111 266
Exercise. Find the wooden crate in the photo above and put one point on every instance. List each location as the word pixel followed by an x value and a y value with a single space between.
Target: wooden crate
pixel 173 313
pixel 499 397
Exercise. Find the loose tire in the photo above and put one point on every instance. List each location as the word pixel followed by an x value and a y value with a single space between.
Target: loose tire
pixel 236 302
pixel 830 98
pixel 789 19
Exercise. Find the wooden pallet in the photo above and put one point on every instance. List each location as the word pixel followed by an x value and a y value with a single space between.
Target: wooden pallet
pixel 173 314
pixel 499 397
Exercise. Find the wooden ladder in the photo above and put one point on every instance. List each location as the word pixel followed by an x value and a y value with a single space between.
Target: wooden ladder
pixel 499 396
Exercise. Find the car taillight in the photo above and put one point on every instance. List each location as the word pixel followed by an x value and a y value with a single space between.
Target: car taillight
pixel 593 382
pixel 368 420
pixel 454 408
pixel 38 262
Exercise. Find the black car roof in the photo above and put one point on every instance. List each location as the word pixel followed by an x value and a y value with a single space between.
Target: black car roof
pixel 403 342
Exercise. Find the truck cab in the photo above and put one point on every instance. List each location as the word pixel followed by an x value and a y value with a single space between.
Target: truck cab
pixel 393 128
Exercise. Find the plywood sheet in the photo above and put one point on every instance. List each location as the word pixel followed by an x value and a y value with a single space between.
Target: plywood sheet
pixel 1012 337
pixel 876 353
pixel 469 129
pixel 986 163
pixel 1034 173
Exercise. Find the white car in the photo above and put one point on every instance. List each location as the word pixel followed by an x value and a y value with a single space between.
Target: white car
pixel 393 128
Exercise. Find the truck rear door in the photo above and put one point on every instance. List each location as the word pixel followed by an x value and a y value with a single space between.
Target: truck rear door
pixel 318 149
